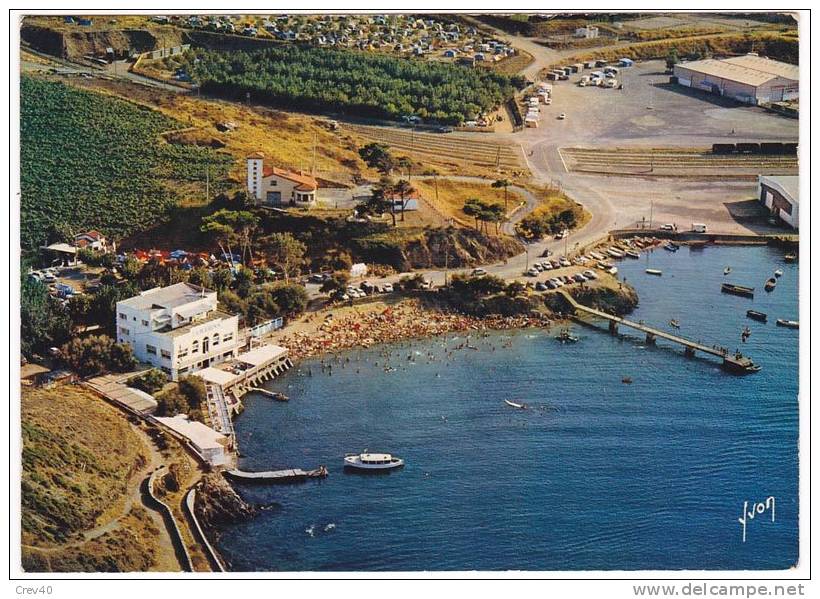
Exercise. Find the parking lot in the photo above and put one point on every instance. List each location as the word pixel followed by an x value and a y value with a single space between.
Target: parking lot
pixel 650 113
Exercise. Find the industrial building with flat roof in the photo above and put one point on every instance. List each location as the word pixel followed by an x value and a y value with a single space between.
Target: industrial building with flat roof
pixel 750 79
pixel 780 194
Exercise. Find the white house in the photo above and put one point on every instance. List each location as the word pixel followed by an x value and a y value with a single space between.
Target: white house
pixel 177 329
pixel 209 444
pixel 271 186
pixel 91 239
pixel 588 32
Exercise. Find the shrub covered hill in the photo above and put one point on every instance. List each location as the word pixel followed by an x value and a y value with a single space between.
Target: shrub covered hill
pixel 91 161
pixel 358 83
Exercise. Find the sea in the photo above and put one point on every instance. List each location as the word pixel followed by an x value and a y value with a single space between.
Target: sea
pixel 597 473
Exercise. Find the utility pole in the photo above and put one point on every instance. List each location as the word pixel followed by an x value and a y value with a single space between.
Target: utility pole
pixel 313 165
pixel 207 182
pixel 651 210
pixel 435 183
pixel 446 264
pixel 498 159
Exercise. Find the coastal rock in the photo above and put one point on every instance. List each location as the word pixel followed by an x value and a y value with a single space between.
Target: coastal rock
pixel 619 300
pixel 217 503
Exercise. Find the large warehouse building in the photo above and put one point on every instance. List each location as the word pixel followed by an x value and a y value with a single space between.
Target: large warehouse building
pixel 750 79
pixel 781 196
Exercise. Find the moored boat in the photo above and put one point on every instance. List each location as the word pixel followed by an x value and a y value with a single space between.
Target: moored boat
pixel 615 253
pixel 674 324
pixel 372 461
pixel 671 247
pixel 778 273
pixel 755 315
pixel 512 404
pixel 632 254
pixel 727 270
pixel 790 257
pixel 737 290
pixel 791 324
pixel 654 271
pixel 771 283
pixel 566 337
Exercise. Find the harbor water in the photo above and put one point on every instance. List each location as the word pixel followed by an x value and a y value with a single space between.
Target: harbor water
pixel 597 473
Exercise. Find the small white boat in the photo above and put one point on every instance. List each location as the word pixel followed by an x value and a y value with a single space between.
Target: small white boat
pixel 372 461
pixel 615 253
pixel 792 324
pixel 654 271
pixel 778 273
pixel 727 270
pixel 512 404
pixel 632 254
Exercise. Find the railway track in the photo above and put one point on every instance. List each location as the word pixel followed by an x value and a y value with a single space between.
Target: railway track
pixel 673 162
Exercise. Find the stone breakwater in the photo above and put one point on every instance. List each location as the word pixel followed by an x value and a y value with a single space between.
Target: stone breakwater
pixel 405 320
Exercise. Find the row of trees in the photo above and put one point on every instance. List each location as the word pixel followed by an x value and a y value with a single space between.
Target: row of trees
pixel 361 83
pixel 484 213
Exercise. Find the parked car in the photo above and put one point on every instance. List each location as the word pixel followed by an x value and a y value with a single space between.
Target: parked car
pixel 546 265
pixel 562 116
pixel 590 274
pixel 387 288
pixel 532 272
pixel 538 267
pixel 540 286
pixel 478 272
pixel 444 130
pixel 552 284
pixel 580 278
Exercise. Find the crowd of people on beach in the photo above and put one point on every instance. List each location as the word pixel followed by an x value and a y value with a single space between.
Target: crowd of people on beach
pixel 405 320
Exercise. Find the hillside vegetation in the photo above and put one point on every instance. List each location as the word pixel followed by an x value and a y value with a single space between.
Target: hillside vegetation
pixel 352 82
pixel 79 458
pixel 90 161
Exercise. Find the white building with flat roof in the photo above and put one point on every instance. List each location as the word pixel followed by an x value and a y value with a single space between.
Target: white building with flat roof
pixel 177 328
pixel 209 444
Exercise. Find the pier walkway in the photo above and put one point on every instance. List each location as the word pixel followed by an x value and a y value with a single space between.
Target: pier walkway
pixel 277 476
pixel 735 362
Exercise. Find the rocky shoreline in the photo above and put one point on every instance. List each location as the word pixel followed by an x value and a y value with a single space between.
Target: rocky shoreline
pixel 408 319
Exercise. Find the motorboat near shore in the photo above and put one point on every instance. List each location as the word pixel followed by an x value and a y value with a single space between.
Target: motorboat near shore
pixel 790 257
pixel 654 271
pixel 372 461
pixel 737 290
pixel 791 324
pixel 671 247
pixel 771 283
pixel 727 270
pixel 755 315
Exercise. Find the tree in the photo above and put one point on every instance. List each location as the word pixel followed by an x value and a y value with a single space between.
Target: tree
pixel 130 268
pixel 244 281
pixel 171 403
pixel 97 355
pixel 403 189
pixel 193 388
pixel 232 302
pixel 200 276
pixel 336 284
pixel 150 382
pixel 505 183
pixel 286 252
pixel 472 207
pixel 44 321
pixel 672 59
pixel 291 299
pixel 221 279
pixel 377 156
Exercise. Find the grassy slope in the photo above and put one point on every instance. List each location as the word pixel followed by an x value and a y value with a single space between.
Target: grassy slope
pixel 91 161
pixel 79 456
pixel 453 194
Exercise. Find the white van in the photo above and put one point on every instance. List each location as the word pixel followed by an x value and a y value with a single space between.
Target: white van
pixel 698 228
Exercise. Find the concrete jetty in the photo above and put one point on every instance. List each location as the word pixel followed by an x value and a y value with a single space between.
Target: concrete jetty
pixel 734 362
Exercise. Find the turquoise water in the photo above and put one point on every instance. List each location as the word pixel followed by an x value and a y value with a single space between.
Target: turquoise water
pixel 598 474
